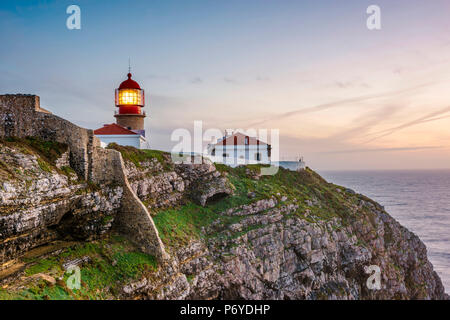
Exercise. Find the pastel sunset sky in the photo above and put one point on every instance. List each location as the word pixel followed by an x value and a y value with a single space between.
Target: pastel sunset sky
pixel 344 97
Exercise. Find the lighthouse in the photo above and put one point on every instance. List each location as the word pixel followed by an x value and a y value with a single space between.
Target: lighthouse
pixel 130 99
pixel 129 129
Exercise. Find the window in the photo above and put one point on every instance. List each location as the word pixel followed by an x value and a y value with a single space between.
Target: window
pixel 213 152
pixel 225 155
pixel 258 156
pixel 130 97
pixel 246 141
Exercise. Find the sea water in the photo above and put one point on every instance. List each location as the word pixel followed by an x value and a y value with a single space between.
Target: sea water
pixel 419 200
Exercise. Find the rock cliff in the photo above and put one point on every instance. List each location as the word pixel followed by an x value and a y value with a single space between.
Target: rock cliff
pixel 42 199
pixel 291 236
pixel 229 234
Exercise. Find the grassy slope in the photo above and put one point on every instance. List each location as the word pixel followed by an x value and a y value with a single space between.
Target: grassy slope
pixel 137 157
pixel 47 152
pixel 113 262
pixel 100 279
pixel 177 226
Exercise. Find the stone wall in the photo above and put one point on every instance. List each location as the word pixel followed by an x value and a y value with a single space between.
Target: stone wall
pixel 22 116
pixel 134 218
pixel 17 114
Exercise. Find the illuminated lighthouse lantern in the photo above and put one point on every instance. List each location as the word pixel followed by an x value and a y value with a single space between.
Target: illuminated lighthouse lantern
pixel 129 127
pixel 130 100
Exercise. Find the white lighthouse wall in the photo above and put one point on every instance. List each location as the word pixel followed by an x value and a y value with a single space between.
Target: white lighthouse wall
pixel 132 140
pixel 240 154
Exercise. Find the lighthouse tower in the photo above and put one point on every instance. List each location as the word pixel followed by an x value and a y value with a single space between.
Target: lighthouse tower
pixel 130 100
pixel 129 129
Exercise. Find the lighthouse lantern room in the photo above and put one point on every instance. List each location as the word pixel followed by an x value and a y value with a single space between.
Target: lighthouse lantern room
pixel 130 99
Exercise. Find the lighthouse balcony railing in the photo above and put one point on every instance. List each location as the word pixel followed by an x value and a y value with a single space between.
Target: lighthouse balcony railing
pixel 142 113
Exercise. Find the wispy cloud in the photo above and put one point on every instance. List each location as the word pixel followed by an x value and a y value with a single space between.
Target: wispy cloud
pixel 197 80
pixel 340 103
pixel 351 84
pixel 433 116
pixel 365 122
pixel 380 150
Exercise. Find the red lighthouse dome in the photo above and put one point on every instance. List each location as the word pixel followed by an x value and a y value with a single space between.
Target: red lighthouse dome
pixel 129 83
pixel 130 100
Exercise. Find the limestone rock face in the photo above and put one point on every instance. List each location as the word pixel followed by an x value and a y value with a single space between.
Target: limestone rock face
pixel 155 186
pixel 271 247
pixel 210 188
pixel 39 204
pixel 162 188
pixel 284 256
pixel 203 181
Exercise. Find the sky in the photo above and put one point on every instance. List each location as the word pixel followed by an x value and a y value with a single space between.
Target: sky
pixel 342 96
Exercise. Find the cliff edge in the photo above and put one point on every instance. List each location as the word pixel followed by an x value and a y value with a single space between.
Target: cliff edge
pixel 81 222
pixel 288 236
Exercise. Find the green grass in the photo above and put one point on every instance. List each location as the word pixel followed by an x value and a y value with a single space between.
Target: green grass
pixel 38 292
pixel 133 264
pixel 177 226
pixel 49 150
pixel 190 277
pixel 44 165
pixel 137 157
pixel 107 219
pixel 68 171
pixel 5 171
pixel 44 266
pixel 47 153
pixel 114 261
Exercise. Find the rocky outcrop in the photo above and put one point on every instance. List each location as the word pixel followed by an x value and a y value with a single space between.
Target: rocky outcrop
pixel 273 252
pixel 274 247
pixel 21 117
pixel 290 236
pixel 204 182
pixel 161 185
pixel 157 187
pixel 39 203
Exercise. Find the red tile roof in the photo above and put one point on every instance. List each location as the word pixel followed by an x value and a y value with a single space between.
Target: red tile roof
pixel 240 140
pixel 113 128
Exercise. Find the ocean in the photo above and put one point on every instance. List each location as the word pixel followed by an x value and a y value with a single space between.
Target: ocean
pixel 419 200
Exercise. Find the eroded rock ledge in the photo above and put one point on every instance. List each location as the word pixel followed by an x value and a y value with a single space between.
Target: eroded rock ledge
pixel 286 257
pixel 289 236
pixel 160 183
pixel 307 240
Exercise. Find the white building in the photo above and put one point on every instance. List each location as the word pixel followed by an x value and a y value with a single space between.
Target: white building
pixel 120 135
pixel 129 128
pixel 239 149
